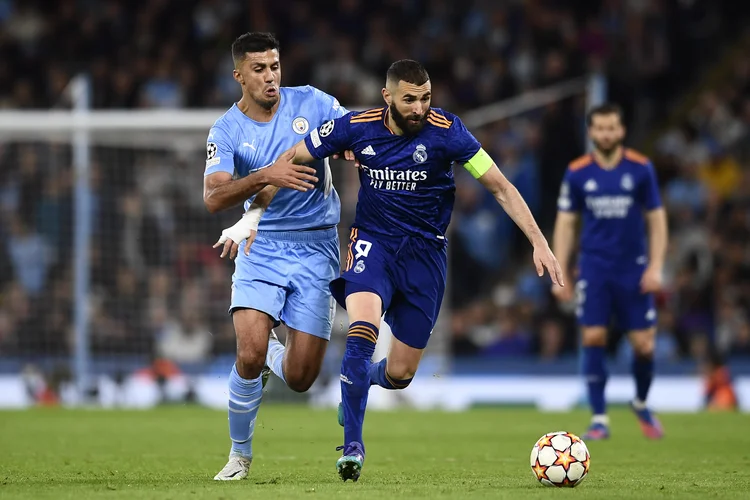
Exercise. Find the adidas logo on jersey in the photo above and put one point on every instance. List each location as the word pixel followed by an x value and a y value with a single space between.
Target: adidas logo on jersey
pixel 368 151
pixel 590 186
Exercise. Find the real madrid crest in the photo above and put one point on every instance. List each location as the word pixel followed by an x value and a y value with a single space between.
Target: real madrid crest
pixel 627 182
pixel 359 267
pixel 301 125
pixel 420 154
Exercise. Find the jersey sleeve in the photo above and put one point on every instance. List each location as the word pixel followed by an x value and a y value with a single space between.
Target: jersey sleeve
pixel 329 106
pixel 219 152
pixel 650 194
pixel 570 198
pixel 462 144
pixel 332 137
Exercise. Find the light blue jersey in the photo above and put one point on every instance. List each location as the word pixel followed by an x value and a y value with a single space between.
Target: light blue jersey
pixel 239 145
pixel 295 255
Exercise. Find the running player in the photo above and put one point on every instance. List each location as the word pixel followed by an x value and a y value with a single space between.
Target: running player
pixel 396 261
pixel 296 254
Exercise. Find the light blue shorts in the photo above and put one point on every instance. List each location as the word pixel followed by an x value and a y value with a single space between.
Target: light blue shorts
pixel 287 276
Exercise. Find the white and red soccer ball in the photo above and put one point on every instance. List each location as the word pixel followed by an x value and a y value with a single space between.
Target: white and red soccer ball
pixel 560 459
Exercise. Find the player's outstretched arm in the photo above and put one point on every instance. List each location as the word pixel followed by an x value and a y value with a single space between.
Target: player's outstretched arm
pixel 247 227
pixel 221 191
pixel 563 241
pixel 514 205
pixel 657 246
pixel 296 156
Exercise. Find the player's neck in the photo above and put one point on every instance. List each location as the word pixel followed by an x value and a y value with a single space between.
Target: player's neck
pixel 392 124
pixel 608 161
pixel 254 111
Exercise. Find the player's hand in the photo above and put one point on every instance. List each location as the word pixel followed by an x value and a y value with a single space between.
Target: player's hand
pixel 285 174
pixel 545 259
pixel 348 156
pixel 245 229
pixel 651 280
pixel 232 248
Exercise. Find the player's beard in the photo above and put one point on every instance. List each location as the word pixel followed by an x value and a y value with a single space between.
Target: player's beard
pixel 266 102
pixel 403 121
pixel 608 151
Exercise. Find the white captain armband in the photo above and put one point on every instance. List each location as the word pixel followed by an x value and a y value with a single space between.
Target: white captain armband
pixel 479 164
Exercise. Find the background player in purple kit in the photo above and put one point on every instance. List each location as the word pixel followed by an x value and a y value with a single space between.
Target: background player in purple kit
pixel 396 261
pixel 610 189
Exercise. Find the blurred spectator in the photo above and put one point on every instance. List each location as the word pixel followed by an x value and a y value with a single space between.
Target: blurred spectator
pixel 512 338
pixel 30 256
pixel 719 392
pixel 186 340
pixel 721 173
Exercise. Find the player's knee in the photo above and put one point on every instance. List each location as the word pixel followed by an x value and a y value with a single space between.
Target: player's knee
pixel 594 336
pixel 300 380
pixel 402 364
pixel 400 377
pixel 643 343
pixel 250 363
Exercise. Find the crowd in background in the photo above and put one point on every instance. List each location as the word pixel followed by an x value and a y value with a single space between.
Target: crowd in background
pixel 159 289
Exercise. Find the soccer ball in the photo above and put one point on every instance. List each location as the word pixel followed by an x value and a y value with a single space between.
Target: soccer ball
pixel 560 459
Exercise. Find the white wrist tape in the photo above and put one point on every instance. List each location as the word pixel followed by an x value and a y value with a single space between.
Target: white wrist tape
pixel 241 230
pixel 253 216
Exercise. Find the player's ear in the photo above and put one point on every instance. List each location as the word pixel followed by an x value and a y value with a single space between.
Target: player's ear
pixel 386 96
pixel 238 76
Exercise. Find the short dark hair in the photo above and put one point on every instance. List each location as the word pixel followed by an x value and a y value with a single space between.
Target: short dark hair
pixel 608 108
pixel 407 70
pixel 253 42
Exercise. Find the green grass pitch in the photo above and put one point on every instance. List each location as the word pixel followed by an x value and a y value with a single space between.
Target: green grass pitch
pixel 174 453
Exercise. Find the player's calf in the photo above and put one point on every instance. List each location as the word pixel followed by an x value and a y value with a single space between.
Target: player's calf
pixel 355 381
pixel 643 362
pixel 397 370
pixel 274 359
pixel 594 367
pixel 394 372
pixel 381 375
pixel 643 374
pixel 303 359
pixel 245 390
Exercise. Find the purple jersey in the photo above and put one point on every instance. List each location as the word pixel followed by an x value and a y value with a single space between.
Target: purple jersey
pixel 612 204
pixel 406 181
